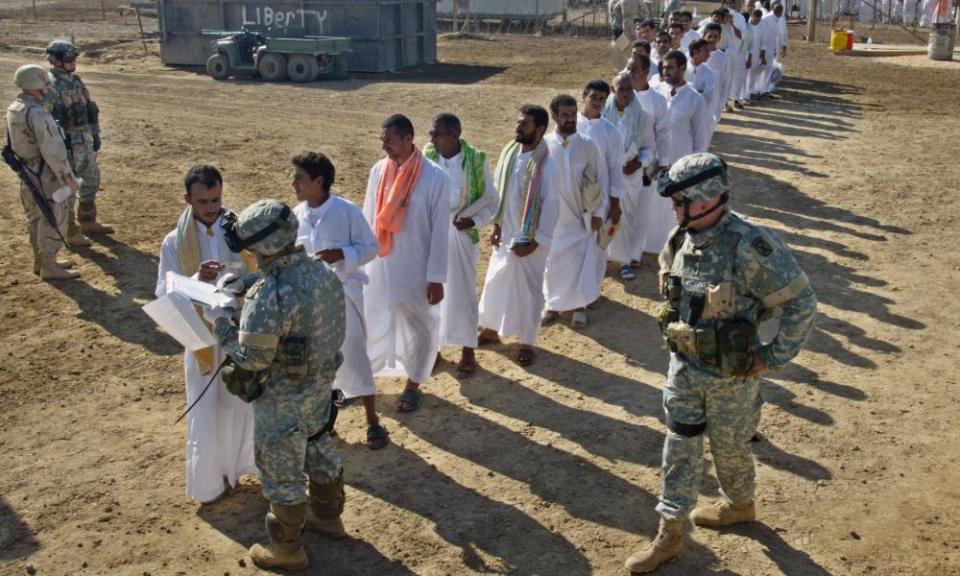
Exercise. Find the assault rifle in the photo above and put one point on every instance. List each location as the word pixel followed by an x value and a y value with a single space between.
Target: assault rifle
pixel 17 165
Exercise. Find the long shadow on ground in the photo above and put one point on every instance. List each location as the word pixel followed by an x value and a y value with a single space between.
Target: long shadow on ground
pixel 240 518
pixel 135 274
pixel 16 538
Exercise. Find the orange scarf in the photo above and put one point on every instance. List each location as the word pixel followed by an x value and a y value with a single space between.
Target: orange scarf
pixel 393 195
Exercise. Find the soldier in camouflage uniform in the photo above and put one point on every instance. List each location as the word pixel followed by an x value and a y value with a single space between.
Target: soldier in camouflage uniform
pixel 38 141
pixel 69 102
pixel 291 328
pixel 721 276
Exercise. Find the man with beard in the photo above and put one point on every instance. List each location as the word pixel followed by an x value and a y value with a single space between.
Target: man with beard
pixel 528 181
pixel 570 281
pixel 220 427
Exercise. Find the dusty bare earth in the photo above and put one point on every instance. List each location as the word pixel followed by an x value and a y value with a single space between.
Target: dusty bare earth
pixel 552 469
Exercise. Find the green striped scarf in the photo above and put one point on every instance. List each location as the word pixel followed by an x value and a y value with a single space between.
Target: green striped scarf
pixel 472 165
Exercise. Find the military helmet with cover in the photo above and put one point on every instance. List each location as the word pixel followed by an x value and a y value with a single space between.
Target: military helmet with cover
pixel 265 227
pixel 697 177
pixel 61 50
pixel 31 77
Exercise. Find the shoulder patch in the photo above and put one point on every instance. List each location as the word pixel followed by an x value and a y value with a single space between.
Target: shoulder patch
pixel 761 246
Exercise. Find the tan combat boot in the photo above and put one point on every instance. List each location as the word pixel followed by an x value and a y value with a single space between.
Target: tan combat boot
pixel 285 528
pixel 87 215
pixel 667 546
pixel 49 270
pixel 74 236
pixel 326 506
pixel 60 263
pixel 724 513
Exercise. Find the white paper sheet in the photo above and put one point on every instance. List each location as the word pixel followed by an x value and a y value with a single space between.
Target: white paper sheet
pixel 199 292
pixel 175 314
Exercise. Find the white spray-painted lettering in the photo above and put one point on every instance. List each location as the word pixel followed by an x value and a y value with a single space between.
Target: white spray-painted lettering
pixel 267 16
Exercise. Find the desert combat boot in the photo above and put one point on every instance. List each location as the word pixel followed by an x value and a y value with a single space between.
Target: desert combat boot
pixel 61 263
pixel 285 551
pixel 49 270
pixel 667 546
pixel 724 513
pixel 87 216
pixel 326 506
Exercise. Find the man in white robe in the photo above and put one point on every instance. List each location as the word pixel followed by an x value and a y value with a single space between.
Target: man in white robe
pixel 407 206
pixel 689 34
pixel 690 129
pixel 703 78
pixel 333 229
pixel 528 181
pixel 473 204
pixel 720 64
pixel 758 51
pixel 590 122
pixel 654 103
pixel 773 37
pixel 220 426
pixel 747 49
pixel 637 152
pixel 737 51
pixel 783 39
pixel 570 281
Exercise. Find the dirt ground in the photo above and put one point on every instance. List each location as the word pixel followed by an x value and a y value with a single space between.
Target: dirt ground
pixel 552 469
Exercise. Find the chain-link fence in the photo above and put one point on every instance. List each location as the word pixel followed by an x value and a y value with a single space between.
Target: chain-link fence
pixel 62 9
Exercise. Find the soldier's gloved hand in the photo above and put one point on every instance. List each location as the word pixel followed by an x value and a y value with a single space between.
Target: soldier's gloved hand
pixel 231 284
pixel 96 142
pixel 222 310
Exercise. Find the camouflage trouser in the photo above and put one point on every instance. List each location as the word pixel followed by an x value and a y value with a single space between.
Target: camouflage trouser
pixel 730 407
pixel 622 13
pixel 83 158
pixel 43 237
pixel 283 424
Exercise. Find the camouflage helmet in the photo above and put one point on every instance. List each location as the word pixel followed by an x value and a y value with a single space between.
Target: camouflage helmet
pixel 696 177
pixel 265 227
pixel 31 77
pixel 61 50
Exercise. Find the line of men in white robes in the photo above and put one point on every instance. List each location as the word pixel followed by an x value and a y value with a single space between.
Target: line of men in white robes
pixel 562 203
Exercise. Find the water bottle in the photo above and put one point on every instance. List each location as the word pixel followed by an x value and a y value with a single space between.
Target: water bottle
pixel 63 192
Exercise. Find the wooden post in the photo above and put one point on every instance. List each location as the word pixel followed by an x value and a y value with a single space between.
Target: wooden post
pixel 103 10
pixel 35 9
pixel 142 38
pixel 812 12
pixel 456 15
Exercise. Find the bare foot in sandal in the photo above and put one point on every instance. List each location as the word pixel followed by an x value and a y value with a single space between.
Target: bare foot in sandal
pixel 467 365
pixel 525 355
pixel 488 336
pixel 579 319
pixel 411 398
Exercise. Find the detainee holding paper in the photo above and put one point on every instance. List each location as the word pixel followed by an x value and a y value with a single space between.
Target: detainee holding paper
pixel 220 427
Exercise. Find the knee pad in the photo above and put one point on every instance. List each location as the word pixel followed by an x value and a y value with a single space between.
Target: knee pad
pixel 687 430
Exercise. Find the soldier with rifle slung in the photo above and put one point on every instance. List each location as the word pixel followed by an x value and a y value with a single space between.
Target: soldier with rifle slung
pixel 69 101
pixel 36 150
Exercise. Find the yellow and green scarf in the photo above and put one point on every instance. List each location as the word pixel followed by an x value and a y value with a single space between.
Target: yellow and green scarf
pixel 472 163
